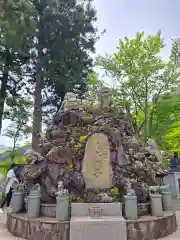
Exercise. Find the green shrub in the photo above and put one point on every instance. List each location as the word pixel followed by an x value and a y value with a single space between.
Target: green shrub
pixel 4 166
pixel 75 199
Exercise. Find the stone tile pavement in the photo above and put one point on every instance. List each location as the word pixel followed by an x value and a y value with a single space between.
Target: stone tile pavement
pixel 176 235
pixel 4 234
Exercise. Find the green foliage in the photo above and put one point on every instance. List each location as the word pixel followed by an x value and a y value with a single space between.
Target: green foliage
pixel 94 86
pixel 14 24
pixel 166 114
pixel 70 40
pixel 45 50
pixel 82 138
pixel 78 144
pixel 171 140
pixel 18 112
pixel 4 166
pixel 114 191
pixel 17 33
pixel 75 199
pixel 141 76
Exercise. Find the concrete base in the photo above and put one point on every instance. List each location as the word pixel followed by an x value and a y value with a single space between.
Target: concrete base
pixel 144 228
pixel 86 228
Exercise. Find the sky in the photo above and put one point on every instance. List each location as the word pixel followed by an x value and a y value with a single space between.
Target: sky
pixel 123 18
pixel 126 17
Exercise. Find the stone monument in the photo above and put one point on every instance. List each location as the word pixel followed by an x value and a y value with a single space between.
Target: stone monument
pixel 92 151
pixel 101 219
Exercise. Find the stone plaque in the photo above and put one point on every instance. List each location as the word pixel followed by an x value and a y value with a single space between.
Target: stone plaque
pixel 97 169
pixel 96 212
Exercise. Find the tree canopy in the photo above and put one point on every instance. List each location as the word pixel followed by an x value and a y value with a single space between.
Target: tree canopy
pixel 46 51
pixel 142 77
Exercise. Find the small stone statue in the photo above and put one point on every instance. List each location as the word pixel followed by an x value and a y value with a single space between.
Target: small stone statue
pixel 26 190
pixel 164 188
pixel 104 98
pixel 70 101
pixel 18 187
pixel 129 190
pixel 61 191
pixel 65 192
pixel 154 189
pixel 35 189
pixel 15 184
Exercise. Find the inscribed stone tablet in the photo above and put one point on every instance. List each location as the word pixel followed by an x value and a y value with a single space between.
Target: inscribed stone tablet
pixel 97 169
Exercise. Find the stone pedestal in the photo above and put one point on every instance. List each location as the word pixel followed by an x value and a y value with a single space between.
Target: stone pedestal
pixel 143 209
pixel 131 207
pixel 17 202
pixel 48 210
pixel 87 228
pixel 167 201
pixel 33 206
pixel 156 205
pixel 62 208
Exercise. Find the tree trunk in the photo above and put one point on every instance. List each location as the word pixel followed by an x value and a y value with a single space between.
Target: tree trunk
pixel 3 95
pixel 151 115
pixel 37 114
pixel 146 112
pixel 5 73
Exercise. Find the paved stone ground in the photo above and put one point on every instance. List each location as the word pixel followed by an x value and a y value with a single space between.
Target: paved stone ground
pixel 176 235
pixel 5 235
